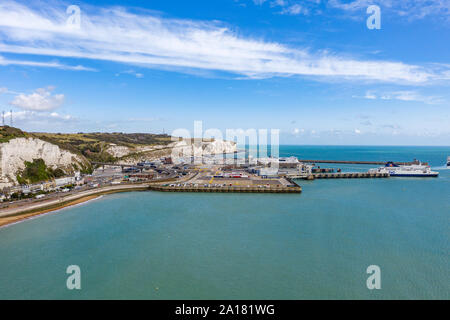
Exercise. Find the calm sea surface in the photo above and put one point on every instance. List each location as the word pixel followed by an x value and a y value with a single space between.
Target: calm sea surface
pixel 318 244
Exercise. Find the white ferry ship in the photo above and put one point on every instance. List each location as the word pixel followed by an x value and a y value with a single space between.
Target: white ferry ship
pixel 416 169
pixel 448 161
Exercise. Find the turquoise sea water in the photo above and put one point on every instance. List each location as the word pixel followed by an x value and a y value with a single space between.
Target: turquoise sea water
pixel 318 244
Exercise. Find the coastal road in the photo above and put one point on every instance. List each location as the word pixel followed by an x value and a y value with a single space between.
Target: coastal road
pixel 47 203
pixel 42 204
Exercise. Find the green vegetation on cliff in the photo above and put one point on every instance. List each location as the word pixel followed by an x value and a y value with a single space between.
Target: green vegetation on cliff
pixel 7 133
pixel 130 139
pixel 37 171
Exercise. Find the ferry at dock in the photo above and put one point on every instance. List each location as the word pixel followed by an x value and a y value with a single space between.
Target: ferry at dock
pixel 415 169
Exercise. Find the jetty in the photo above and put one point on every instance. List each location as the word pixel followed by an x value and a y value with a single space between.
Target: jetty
pixel 292 188
pixel 228 189
pixel 354 162
pixel 349 175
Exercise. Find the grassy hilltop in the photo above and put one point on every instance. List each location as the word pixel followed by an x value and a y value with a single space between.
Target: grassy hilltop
pixel 7 133
pixel 93 146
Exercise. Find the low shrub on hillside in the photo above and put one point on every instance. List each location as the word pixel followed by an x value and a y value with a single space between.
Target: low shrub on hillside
pixel 37 171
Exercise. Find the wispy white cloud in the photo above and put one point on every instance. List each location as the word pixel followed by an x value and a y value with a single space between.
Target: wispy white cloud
pixel 370 95
pixel 410 9
pixel 4 90
pixel 51 64
pixel 118 35
pixel 366 123
pixel 290 7
pixel 65 117
pixel 391 126
pixel 412 96
pixel 36 121
pixel 131 72
pixel 404 95
pixel 355 4
pixel 295 9
pixel 297 131
pixel 145 119
pixel 26 117
pixel 40 100
pixel 278 3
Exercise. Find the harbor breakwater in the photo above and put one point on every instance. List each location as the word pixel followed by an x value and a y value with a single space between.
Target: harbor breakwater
pixel 295 189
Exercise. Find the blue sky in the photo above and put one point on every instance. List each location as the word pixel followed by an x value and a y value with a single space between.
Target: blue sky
pixel 310 68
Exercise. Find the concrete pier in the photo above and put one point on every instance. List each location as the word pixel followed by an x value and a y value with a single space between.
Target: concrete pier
pixel 349 175
pixel 354 162
pixel 252 189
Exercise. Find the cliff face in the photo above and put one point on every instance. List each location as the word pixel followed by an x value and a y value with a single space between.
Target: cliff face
pixel 197 149
pixel 218 147
pixel 14 153
pixel 176 149
pixel 118 151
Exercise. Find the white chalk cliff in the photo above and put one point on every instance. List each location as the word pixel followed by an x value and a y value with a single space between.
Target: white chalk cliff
pixel 14 153
pixel 118 151
pixel 183 148
pixel 186 149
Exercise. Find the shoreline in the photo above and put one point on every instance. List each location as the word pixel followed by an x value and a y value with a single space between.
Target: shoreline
pixel 28 212
pixel 21 217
